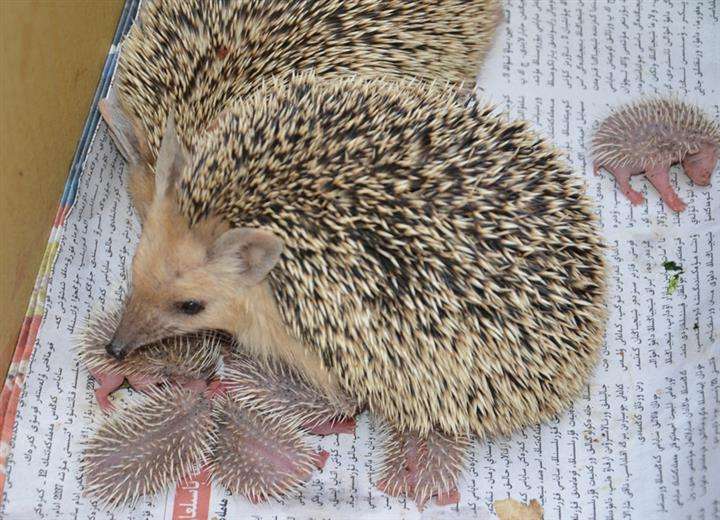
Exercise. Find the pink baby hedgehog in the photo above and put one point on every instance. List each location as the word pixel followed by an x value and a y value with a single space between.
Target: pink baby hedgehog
pixel 649 137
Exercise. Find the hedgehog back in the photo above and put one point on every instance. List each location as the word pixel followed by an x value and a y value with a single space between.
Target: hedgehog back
pixel 199 55
pixel 444 263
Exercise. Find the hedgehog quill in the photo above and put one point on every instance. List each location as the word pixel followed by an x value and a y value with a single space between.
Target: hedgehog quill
pixel 247 429
pixel 200 56
pixel 438 264
pixel 183 360
pixel 174 432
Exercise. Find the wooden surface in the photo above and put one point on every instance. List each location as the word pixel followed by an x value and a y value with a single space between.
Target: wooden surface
pixel 51 56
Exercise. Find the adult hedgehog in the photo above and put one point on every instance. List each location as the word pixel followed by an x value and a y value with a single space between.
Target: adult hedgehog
pixel 439 264
pixel 200 55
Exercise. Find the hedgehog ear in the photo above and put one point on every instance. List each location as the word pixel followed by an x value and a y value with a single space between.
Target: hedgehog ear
pixel 170 160
pixel 251 252
pixel 123 129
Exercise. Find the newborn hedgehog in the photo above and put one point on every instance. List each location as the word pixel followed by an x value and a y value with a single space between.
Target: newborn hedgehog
pixel 174 432
pixel 249 436
pixel 649 137
pixel 439 264
pixel 181 359
pixel 271 389
pixel 199 56
pixel 141 450
pixel 275 390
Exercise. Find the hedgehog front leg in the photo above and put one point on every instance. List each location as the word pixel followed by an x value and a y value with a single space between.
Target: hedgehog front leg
pixel 422 467
pixel 109 382
pixel 622 177
pixel 699 166
pixel 280 392
pixel 659 176
pixel 259 457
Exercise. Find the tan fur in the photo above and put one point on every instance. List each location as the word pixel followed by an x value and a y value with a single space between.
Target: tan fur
pixel 260 328
pixel 174 263
pixel 141 187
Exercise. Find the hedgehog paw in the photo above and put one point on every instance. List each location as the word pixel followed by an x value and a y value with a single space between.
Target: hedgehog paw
pixel 659 177
pixel 333 426
pixel 108 384
pixel 103 400
pixel 422 467
pixel 699 166
pixel 622 177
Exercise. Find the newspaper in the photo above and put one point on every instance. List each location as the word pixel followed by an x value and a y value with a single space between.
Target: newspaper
pixel 643 441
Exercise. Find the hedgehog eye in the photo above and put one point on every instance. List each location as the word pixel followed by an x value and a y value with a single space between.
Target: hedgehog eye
pixel 190 307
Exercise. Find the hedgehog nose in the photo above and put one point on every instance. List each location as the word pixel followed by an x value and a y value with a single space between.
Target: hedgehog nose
pixel 116 350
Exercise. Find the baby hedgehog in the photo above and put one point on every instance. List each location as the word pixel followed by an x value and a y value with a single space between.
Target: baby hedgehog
pixel 649 137
pixel 279 391
pixel 201 55
pixel 258 457
pixel 246 428
pixel 147 447
pixel 251 437
pixel 179 359
pixel 435 262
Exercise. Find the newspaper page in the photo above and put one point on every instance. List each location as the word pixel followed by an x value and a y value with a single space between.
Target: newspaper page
pixel 643 440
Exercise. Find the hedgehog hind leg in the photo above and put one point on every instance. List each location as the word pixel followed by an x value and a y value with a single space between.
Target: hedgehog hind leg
pixel 659 177
pixel 422 467
pixel 622 177
pixel 700 166
pixel 258 457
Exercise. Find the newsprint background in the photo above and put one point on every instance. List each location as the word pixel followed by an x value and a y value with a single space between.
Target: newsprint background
pixel 644 439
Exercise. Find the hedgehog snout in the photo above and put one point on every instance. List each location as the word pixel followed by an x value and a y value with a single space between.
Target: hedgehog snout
pixel 116 350
pixel 700 165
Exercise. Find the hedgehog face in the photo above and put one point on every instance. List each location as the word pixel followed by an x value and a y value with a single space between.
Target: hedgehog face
pixel 188 279
pixel 699 166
